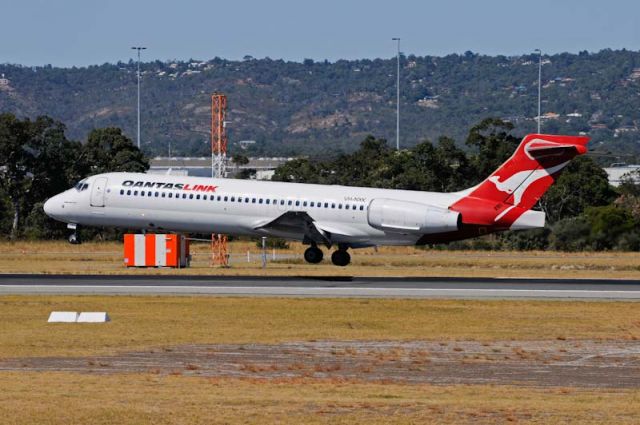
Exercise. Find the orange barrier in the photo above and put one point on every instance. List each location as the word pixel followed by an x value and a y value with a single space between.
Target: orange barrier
pixel 156 250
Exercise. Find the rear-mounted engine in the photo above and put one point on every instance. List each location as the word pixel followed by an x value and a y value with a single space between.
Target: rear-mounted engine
pixel 412 217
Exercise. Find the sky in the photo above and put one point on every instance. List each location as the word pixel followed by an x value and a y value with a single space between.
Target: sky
pixel 85 32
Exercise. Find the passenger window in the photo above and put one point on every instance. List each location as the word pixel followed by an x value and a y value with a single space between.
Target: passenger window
pixel 311 204
pixel 164 195
pixel 184 196
pixel 197 196
pixel 246 200
pixel 339 206
pixel 304 204
pixel 290 203
pixel 170 195
pixel 282 202
pixel 260 200
pixel 142 193
pixel 191 196
pixel 233 198
pixel 346 207
pixel 213 197
pixel 135 193
pixel 253 201
pixel 326 205
pixel 297 203
pixel 353 207
pixel 239 198
pixel 157 194
pixel 319 204
pixel 128 192
pixel 267 201
pixel 226 198
pixel 333 205
pixel 361 207
pixel 121 191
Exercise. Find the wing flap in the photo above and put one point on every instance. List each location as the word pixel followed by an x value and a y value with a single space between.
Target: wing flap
pixel 297 222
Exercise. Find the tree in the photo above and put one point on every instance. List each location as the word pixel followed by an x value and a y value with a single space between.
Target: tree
pixel 37 161
pixel 239 159
pixel 608 224
pixel 583 183
pixel 108 150
pixel 494 144
pixel 297 171
pixel 16 160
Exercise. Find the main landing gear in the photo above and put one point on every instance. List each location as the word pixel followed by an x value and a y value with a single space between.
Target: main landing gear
pixel 340 257
pixel 313 255
pixel 74 239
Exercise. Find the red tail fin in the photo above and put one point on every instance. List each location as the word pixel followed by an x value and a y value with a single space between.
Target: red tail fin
pixel 521 181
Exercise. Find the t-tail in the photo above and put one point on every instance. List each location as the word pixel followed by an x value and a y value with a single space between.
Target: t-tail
pixel 504 200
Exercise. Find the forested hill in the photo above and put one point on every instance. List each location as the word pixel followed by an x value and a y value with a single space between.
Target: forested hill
pixel 319 108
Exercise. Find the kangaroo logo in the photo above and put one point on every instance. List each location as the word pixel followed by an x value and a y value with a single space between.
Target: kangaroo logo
pixel 518 184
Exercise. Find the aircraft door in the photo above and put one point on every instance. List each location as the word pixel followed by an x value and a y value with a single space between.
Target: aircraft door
pixel 97 192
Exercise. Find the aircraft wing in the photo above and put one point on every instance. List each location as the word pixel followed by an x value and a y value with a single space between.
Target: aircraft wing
pixel 297 222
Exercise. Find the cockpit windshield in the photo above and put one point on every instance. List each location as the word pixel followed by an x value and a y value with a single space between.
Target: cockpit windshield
pixel 81 185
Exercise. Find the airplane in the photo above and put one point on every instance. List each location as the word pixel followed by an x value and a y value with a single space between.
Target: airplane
pixel 330 215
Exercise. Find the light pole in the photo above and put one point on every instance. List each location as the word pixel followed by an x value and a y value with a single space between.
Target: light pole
pixel 139 49
pixel 539 85
pixel 397 95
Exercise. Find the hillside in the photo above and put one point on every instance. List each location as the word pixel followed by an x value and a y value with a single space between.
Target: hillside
pixel 319 108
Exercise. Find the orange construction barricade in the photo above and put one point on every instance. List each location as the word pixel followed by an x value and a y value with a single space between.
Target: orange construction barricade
pixel 156 250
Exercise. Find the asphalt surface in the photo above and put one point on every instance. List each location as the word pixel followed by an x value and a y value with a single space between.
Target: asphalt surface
pixel 381 287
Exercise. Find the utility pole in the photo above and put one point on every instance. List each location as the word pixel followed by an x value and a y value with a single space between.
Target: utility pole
pixel 539 86
pixel 397 95
pixel 139 49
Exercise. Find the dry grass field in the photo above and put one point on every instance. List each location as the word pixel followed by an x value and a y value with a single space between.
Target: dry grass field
pixel 102 395
pixel 142 322
pixel 106 258
pixel 69 398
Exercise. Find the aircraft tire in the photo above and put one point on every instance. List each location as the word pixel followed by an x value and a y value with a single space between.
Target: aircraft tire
pixel 313 255
pixel 74 239
pixel 340 258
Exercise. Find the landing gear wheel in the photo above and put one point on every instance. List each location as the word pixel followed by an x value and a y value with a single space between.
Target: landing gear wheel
pixel 74 239
pixel 340 258
pixel 313 255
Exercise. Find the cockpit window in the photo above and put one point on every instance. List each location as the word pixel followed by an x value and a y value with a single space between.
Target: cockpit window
pixel 81 185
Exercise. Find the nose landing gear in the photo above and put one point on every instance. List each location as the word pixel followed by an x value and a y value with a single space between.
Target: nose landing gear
pixel 74 239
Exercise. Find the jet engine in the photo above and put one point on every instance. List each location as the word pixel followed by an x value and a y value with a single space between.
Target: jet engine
pixel 411 217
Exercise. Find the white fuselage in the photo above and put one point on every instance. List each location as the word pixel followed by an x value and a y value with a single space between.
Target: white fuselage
pixel 234 207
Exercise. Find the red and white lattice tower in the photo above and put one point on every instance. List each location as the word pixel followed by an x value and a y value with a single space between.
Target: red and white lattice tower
pixel 220 255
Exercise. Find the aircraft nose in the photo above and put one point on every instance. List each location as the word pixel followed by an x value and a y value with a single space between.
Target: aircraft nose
pixel 52 206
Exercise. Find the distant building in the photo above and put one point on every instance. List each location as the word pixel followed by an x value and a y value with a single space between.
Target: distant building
pixel 201 167
pixel 244 144
pixel 550 116
pixel 618 172
pixel 4 82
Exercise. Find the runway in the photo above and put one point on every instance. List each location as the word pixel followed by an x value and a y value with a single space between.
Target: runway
pixel 376 287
